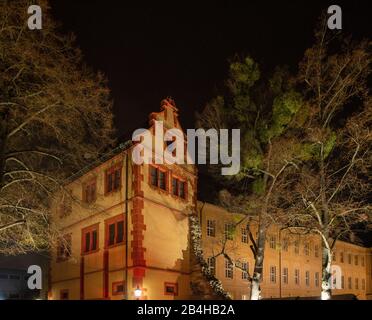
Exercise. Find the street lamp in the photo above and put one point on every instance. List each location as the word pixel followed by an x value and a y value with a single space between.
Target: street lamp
pixel 138 293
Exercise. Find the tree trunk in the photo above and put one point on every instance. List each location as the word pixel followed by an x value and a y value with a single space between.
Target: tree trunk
pixel 326 250
pixel 326 293
pixel 255 291
pixel 258 266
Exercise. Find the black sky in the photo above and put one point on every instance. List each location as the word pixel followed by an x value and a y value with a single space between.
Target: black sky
pixel 152 50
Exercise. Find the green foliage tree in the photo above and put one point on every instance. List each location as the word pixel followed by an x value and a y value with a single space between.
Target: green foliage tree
pixel 268 113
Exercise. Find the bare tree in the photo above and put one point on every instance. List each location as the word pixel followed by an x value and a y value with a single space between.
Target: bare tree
pixel 332 196
pixel 55 116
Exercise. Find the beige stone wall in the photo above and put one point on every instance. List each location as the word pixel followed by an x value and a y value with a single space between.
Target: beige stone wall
pixel 66 274
pixel 279 258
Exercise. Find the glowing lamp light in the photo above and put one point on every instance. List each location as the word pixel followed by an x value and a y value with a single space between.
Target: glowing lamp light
pixel 138 292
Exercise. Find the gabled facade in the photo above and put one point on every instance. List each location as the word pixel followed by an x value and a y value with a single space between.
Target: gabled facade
pixel 127 228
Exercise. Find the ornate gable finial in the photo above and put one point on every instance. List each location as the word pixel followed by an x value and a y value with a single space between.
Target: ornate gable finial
pixel 168 113
pixel 168 102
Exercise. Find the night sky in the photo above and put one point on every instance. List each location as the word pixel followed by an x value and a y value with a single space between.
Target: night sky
pixel 157 49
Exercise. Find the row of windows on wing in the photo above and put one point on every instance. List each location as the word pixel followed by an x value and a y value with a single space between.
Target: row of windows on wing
pixel 160 178
pixel 229 230
pixel 114 235
pixel 229 274
pixel 350 283
pixel 350 256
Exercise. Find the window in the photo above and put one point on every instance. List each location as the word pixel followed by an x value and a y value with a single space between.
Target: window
pixel 307 278
pixel 229 231
pixel 272 240
pixel 342 282
pixel 170 289
pixel 64 248
pixel 356 283
pixel 118 288
pixel 297 276
pixel 350 286
pixel 317 279
pixel 162 180
pixel 113 179
pixel 182 185
pixel 158 177
pixel 363 284
pixel 356 260
pixel 63 294
pixel 244 235
pixel 334 256
pixel 212 265
pixel 175 186
pixel 90 239
pixel 245 270
pixel 178 188
pixel 296 247
pixel 229 273
pixel 272 274
pixel 362 261
pixel 211 228
pixel 89 191
pixel 316 251
pixel 341 257
pixel 349 258
pixel 306 249
pixel 115 231
pixel 65 207
pixel 285 244
pixel 285 275
pixel 154 176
